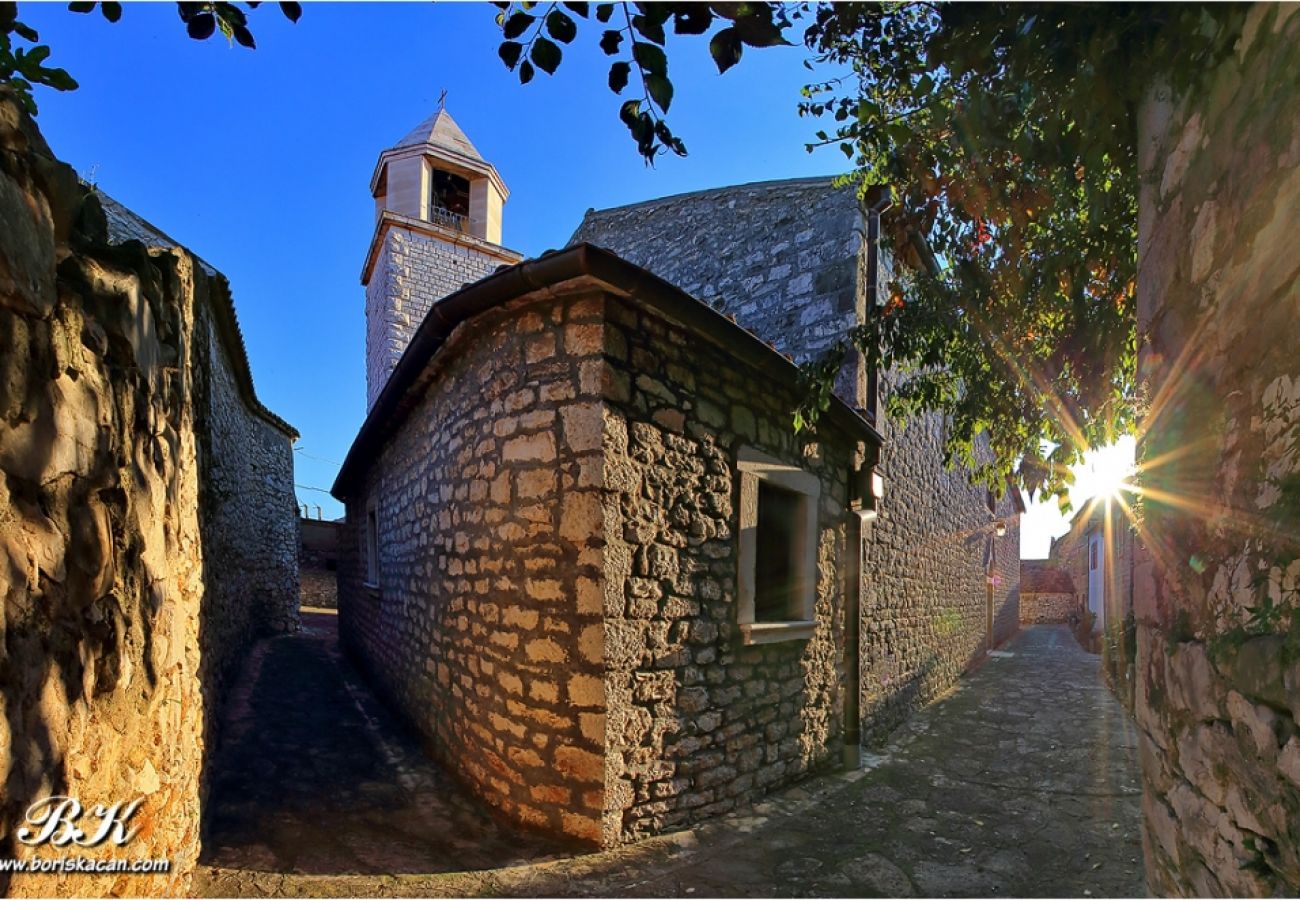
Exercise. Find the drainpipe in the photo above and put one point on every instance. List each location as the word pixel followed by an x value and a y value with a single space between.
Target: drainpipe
pixel 864 506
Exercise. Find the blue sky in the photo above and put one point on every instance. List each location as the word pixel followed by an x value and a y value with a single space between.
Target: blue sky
pixel 260 160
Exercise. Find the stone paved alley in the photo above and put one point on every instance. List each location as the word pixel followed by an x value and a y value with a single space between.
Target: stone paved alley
pixel 1023 782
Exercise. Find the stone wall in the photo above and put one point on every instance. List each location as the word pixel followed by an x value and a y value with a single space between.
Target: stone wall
pixel 485 628
pixel 248 508
pixel 556 598
pixel 1218 635
pixel 1047 608
pixel 787 260
pixel 411 273
pixel 107 547
pixel 927 587
pixel 318 563
pixel 698 722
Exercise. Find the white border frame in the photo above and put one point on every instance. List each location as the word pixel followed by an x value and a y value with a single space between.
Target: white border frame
pixel 755 466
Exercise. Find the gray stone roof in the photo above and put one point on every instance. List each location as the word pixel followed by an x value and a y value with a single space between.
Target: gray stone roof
pixel 782 257
pixel 440 130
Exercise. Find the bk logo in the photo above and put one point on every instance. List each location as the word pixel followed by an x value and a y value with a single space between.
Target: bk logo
pixel 57 821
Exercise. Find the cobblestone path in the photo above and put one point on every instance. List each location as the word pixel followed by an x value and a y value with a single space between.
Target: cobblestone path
pixel 1023 782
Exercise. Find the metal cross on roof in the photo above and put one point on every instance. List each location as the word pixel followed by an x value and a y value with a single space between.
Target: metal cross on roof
pixel 442 99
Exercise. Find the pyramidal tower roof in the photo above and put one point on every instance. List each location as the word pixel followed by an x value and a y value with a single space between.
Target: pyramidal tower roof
pixel 440 130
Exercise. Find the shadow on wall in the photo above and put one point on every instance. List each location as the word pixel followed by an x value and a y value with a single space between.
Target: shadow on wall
pixel 91 471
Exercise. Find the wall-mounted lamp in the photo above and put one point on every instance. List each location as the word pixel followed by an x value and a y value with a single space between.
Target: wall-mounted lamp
pixel 868 492
pixel 1000 529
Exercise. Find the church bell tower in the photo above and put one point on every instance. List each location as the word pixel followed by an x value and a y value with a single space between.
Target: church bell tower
pixel 437 228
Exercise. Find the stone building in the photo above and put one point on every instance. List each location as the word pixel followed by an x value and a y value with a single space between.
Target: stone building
pixel 585 553
pixel 318 563
pixel 136 466
pixel 1098 554
pixel 1218 632
pixel 1047 593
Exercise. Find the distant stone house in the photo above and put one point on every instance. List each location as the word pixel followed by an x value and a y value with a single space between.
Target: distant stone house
pixel 585 553
pixel 1098 555
pixel 1047 593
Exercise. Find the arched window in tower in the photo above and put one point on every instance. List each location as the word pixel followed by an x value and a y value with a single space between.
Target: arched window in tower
pixel 449 203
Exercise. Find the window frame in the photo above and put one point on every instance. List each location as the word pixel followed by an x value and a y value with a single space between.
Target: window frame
pixel 754 467
pixel 370 544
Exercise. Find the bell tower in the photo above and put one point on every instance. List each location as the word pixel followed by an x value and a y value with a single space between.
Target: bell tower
pixel 437 228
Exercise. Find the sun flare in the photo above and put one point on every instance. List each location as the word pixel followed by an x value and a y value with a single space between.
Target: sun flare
pixel 1106 472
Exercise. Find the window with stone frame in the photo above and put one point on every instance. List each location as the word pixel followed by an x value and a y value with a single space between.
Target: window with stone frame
pixel 778 549
pixel 372 545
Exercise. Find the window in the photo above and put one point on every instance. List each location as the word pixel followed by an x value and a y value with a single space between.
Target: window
pixel 778 549
pixel 372 546
pixel 449 199
pixel 1092 555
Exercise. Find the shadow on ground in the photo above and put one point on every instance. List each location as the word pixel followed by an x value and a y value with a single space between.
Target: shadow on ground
pixel 1023 782
pixel 314 776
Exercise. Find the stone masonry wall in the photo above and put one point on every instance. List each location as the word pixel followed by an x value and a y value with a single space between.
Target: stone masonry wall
pixel 318 558
pixel 1042 609
pixel 485 629
pixel 786 259
pixel 699 723
pixel 103 536
pixel 413 272
pixel 1218 636
pixel 925 588
pixel 249 511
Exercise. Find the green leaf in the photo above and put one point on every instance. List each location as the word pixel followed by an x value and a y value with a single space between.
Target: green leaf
pixel 546 55
pixel 604 11
pixel 81 7
pixel 726 49
pixel 509 51
pixel 26 32
pixel 618 76
pixel 648 29
pixel 580 9
pixel 292 11
pixel 610 41
pixel 517 24
pixel 201 27
pixel 525 72
pixel 111 11
pixel 695 18
pixel 660 90
pixel 561 27
pixel 651 58
pixel 60 80
pixel 244 36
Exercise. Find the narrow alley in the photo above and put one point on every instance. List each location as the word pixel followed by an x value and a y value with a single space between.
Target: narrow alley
pixel 1023 782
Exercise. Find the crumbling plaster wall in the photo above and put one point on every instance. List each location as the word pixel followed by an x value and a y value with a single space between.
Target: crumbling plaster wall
pixel 106 551
pixel 1218 636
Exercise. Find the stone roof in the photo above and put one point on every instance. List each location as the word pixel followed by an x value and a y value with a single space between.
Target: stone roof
pixel 440 130
pixel 581 261
pixel 1044 576
pixel 126 225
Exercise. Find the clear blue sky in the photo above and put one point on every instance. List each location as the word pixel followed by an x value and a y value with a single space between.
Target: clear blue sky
pixel 260 161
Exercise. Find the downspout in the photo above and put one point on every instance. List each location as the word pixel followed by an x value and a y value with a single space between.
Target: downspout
pixel 864 506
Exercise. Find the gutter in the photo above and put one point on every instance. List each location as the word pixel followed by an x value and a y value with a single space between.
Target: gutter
pixel 867 508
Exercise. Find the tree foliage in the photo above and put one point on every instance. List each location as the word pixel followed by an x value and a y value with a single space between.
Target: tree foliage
pixel 1008 135
pixel 22 56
